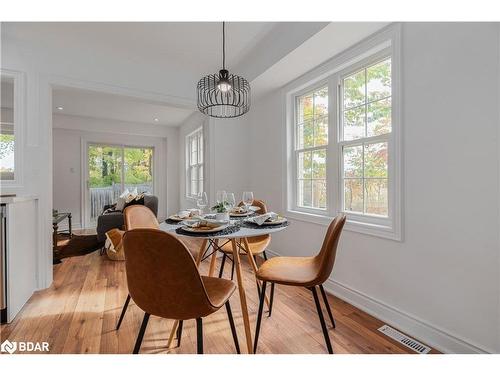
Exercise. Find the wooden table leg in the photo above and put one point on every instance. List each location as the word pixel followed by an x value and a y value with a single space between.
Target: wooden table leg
pixel 203 247
pixel 172 334
pixel 213 261
pixel 243 299
pixel 251 260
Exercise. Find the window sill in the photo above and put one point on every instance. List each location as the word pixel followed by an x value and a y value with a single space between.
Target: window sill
pixel 352 224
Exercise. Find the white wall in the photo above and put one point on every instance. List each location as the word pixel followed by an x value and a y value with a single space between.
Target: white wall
pixel 227 145
pixel 442 282
pixel 68 133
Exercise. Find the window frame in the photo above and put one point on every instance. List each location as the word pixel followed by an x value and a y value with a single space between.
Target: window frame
pixel 374 49
pixel 309 90
pixel 19 128
pixel 198 133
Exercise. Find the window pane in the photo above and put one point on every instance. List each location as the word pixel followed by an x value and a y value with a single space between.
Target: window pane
pixel 138 169
pixel 319 164
pixel 194 188
pixel 305 135
pixel 321 102
pixel 304 165
pixel 353 161
pixel 379 117
pixel 378 79
pixel 376 159
pixel 354 90
pixel 304 108
pixel 304 193
pixel 319 193
pixel 376 196
pixel 200 148
pixel 7 129
pixel 354 123
pixel 200 186
pixel 321 131
pixel 353 194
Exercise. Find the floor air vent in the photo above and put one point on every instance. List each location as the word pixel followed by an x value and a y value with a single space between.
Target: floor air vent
pixel 405 340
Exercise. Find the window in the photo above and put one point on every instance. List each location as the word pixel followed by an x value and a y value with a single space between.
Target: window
pixel 343 140
pixel 114 168
pixel 311 142
pixel 365 117
pixel 194 161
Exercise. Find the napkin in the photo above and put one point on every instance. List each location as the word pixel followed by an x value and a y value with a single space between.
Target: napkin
pixel 259 220
pixel 184 214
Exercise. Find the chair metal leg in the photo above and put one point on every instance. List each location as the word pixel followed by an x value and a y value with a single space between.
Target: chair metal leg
pixel 199 335
pixel 222 265
pixel 259 316
pixel 179 332
pixel 325 300
pixel 140 336
pixel 125 306
pixel 232 270
pixel 271 300
pixel 322 320
pixel 233 327
pixel 265 255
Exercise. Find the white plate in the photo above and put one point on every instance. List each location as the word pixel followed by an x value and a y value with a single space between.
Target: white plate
pixel 243 214
pixel 196 230
pixel 177 218
pixel 276 222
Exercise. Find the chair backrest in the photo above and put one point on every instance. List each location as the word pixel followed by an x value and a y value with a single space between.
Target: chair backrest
pixel 139 216
pixel 258 203
pixel 326 256
pixel 162 276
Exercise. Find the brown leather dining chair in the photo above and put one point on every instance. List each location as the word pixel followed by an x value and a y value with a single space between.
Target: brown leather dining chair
pixel 164 281
pixel 308 272
pixel 136 216
pixel 257 245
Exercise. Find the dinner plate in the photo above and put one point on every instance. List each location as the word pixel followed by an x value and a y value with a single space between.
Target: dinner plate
pixel 243 214
pixel 276 222
pixel 211 230
pixel 177 218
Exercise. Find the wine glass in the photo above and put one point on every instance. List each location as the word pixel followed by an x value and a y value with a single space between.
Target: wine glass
pixel 230 202
pixel 247 199
pixel 202 201
pixel 221 196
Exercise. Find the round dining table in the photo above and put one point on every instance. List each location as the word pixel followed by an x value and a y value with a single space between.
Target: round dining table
pixel 237 238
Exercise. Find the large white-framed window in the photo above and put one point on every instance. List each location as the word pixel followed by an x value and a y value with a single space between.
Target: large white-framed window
pixel 194 163
pixel 343 140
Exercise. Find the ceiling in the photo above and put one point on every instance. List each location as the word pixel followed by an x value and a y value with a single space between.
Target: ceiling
pixel 77 102
pixel 190 46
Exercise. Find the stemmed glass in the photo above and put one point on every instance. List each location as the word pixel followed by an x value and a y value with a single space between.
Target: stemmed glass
pixel 247 199
pixel 230 202
pixel 221 196
pixel 202 201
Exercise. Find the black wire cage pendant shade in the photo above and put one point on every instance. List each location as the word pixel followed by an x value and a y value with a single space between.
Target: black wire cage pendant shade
pixel 223 95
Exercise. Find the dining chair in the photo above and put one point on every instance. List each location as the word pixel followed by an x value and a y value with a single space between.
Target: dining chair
pixel 135 217
pixel 257 245
pixel 309 272
pixel 168 284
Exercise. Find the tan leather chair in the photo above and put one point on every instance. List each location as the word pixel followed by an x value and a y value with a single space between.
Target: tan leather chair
pixel 257 245
pixel 164 281
pixel 308 272
pixel 135 217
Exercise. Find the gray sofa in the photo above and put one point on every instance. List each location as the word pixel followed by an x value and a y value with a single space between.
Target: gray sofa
pixel 114 219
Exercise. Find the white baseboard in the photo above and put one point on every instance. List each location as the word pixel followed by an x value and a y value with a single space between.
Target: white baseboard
pixel 435 337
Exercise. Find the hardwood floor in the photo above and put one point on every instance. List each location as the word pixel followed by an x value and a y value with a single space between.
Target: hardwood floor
pixel 78 314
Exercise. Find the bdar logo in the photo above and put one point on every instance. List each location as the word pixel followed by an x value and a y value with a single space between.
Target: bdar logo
pixel 8 347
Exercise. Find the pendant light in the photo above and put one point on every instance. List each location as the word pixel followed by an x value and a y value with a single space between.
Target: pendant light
pixel 223 95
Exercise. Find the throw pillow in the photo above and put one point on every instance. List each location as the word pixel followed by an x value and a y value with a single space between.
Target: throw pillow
pixel 139 199
pixel 120 204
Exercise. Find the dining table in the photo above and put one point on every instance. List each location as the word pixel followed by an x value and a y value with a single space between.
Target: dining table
pixel 237 233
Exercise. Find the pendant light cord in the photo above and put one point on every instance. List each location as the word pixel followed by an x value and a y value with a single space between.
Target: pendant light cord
pixel 223 45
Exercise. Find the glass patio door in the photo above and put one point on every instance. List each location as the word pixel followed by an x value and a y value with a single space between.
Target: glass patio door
pixel 111 170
